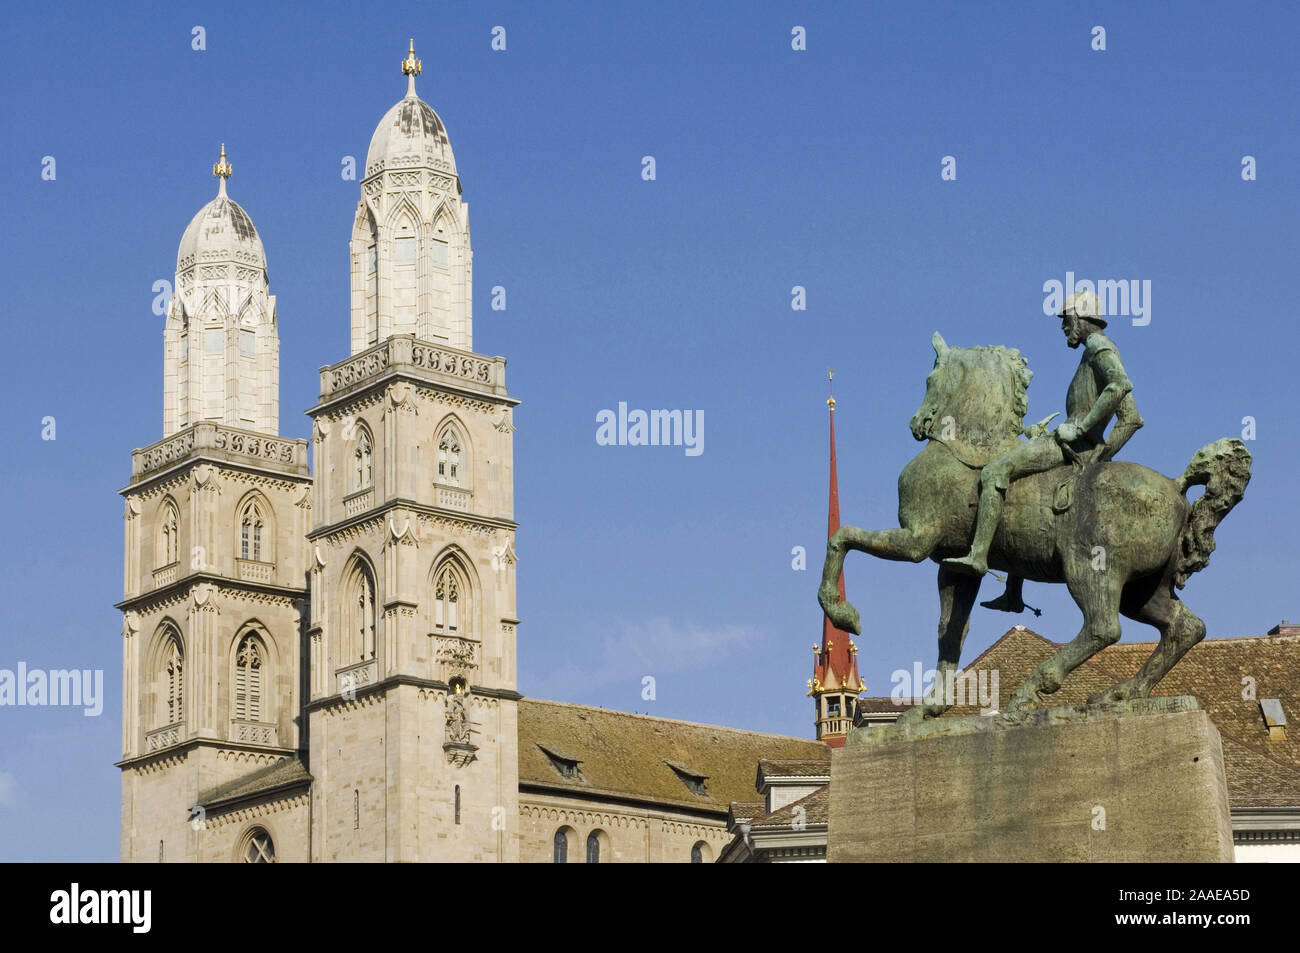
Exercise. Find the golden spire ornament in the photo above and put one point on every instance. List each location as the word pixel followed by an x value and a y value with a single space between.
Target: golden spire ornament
pixel 410 68
pixel 223 169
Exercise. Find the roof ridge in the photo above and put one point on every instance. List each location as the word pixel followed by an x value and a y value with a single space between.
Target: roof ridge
pixel 674 721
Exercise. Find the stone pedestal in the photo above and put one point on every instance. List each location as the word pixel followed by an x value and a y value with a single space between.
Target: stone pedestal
pixel 1141 784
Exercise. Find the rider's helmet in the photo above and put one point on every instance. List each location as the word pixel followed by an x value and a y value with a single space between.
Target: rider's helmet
pixel 1083 304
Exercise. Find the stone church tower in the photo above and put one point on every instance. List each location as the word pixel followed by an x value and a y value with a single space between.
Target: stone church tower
pixel 412 711
pixel 322 666
pixel 215 558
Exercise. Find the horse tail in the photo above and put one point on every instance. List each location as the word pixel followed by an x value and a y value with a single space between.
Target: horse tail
pixel 1223 468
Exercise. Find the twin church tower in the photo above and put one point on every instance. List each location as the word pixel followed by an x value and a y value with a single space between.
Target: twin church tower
pixel 319 660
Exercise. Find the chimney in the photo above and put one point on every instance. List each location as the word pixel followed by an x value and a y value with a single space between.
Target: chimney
pixel 1285 628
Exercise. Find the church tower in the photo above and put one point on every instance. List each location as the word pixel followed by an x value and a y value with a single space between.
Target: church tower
pixel 412 711
pixel 835 684
pixel 214 583
pixel 411 258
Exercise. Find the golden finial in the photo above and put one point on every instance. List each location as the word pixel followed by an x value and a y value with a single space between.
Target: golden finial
pixel 830 644
pixel 816 647
pixel 830 401
pixel 410 65
pixel 222 170
pixel 852 646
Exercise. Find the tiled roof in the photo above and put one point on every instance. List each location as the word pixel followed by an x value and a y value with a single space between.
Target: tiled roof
pixel 631 756
pixel 805 768
pixel 812 809
pixel 743 811
pixel 290 772
pixel 878 705
pixel 1218 672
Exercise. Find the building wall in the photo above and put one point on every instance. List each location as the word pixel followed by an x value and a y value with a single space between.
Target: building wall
pixel 381 678
pixel 159 795
pixel 196 590
pixel 630 834
pixel 1267 853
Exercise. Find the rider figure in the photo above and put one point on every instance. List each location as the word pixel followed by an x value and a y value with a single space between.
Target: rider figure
pixel 1099 390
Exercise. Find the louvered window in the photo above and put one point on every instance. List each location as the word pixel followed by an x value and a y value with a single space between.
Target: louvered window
pixel 248 680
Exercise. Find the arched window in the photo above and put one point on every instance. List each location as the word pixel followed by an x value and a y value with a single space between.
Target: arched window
pixel 449 457
pixel 561 847
pixel 168 534
pixel 593 847
pixel 251 525
pixel 458 804
pixel 700 853
pixel 363 459
pixel 359 611
pixel 173 679
pixel 450 601
pixel 258 848
pixel 249 664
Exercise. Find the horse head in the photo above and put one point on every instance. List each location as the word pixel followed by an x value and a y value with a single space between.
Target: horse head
pixel 976 396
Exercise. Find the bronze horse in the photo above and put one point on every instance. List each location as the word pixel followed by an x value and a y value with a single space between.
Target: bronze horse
pixel 1119 535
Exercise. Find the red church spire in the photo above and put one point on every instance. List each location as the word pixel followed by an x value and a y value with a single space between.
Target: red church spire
pixel 835 682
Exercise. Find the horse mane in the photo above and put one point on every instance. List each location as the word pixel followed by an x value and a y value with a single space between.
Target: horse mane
pixel 1016 367
pixel 988 402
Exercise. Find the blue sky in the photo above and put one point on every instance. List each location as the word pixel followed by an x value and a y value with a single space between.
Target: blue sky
pixel 775 168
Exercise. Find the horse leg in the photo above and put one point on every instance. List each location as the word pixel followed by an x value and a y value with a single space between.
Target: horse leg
pixel 957 592
pixel 896 544
pixel 1097 593
pixel 1179 630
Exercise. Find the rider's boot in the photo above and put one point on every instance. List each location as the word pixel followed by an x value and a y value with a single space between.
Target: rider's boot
pixel 1011 600
pixel 976 563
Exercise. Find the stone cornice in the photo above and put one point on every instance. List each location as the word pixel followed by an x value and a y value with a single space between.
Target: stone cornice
pixel 393 681
pixel 185 747
pixel 470 520
pixel 405 357
pixel 178 589
pixel 250 450
pixel 626 800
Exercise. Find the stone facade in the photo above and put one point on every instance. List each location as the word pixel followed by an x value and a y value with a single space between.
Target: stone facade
pixel 319 661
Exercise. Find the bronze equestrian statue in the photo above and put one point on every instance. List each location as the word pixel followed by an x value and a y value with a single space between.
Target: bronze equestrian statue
pixel 1052 508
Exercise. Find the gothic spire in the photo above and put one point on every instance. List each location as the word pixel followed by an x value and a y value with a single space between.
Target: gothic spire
pixel 835 665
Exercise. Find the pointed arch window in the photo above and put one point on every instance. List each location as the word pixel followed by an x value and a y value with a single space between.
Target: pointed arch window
pixel 251 527
pixel 169 534
pixel 450 601
pixel 250 660
pixel 359 610
pixel 258 847
pixel 363 460
pixel 173 680
pixel 449 457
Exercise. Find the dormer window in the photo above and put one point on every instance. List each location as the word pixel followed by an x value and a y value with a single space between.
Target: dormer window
pixel 567 765
pixel 693 779
pixel 1274 718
